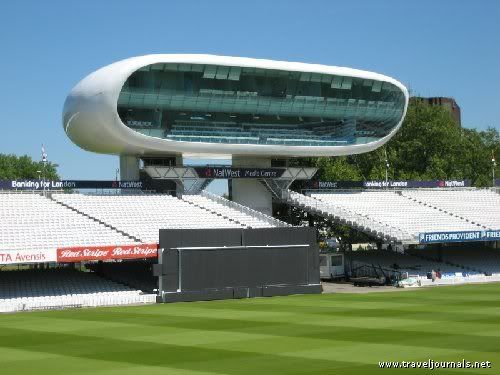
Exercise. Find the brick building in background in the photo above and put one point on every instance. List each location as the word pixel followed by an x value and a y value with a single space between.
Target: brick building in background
pixel 448 103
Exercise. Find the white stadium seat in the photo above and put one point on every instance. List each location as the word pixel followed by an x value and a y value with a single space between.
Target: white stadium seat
pixel 402 215
pixel 143 215
pixel 59 288
pixel 232 211
pixel 479 206
pixel 34 222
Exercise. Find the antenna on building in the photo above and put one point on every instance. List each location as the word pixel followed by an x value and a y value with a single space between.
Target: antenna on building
pixel 387 165
pixel 493 166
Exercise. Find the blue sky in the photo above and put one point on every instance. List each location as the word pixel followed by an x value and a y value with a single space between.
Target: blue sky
pixel 436 48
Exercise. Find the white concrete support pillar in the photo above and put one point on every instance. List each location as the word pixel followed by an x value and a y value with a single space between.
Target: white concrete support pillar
pixel 250 192
pixel 179 187
pixel 129 168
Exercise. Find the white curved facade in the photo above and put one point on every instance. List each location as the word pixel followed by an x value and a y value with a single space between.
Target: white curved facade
pixel 91 119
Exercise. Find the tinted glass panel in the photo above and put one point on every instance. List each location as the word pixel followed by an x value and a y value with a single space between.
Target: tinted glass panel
pixel 223 104
pixel 336 260
pixel 323 261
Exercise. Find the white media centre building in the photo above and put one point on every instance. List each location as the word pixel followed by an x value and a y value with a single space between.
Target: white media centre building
pixel 158 108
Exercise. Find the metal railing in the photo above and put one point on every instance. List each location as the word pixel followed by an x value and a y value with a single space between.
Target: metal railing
pixel 38 192
pixel 360 269
pixel 362 222
pixel 244 209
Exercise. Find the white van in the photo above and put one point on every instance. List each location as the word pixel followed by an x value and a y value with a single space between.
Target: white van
pixel 331 266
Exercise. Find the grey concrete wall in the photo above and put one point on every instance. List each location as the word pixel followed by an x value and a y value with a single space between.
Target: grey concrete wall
pixel 129 168
pixel 250 192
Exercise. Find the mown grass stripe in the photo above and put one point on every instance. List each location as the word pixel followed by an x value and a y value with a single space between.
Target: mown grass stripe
pixel 340 333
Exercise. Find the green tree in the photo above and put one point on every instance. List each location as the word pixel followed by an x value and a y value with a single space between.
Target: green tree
pixel 339 168
pixel 13 167
pixel 429 145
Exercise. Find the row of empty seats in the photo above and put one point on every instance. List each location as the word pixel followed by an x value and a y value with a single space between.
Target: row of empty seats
pixel 143 215
pixel 478 258
pixel 396 210
pixel 479 206
pixel 260 134
pixel 346 215
pixel 258 131
pixel 135 274
pixel 429 266
pixel 241 214
pixel 404 263
pixel 58 288
pixel 34 222
pixel 405 214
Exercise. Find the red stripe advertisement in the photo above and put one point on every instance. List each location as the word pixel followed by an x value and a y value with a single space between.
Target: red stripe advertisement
pixel 135 251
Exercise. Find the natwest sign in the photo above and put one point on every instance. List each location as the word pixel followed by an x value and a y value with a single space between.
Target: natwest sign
pixel 230 172
pixel 136 251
